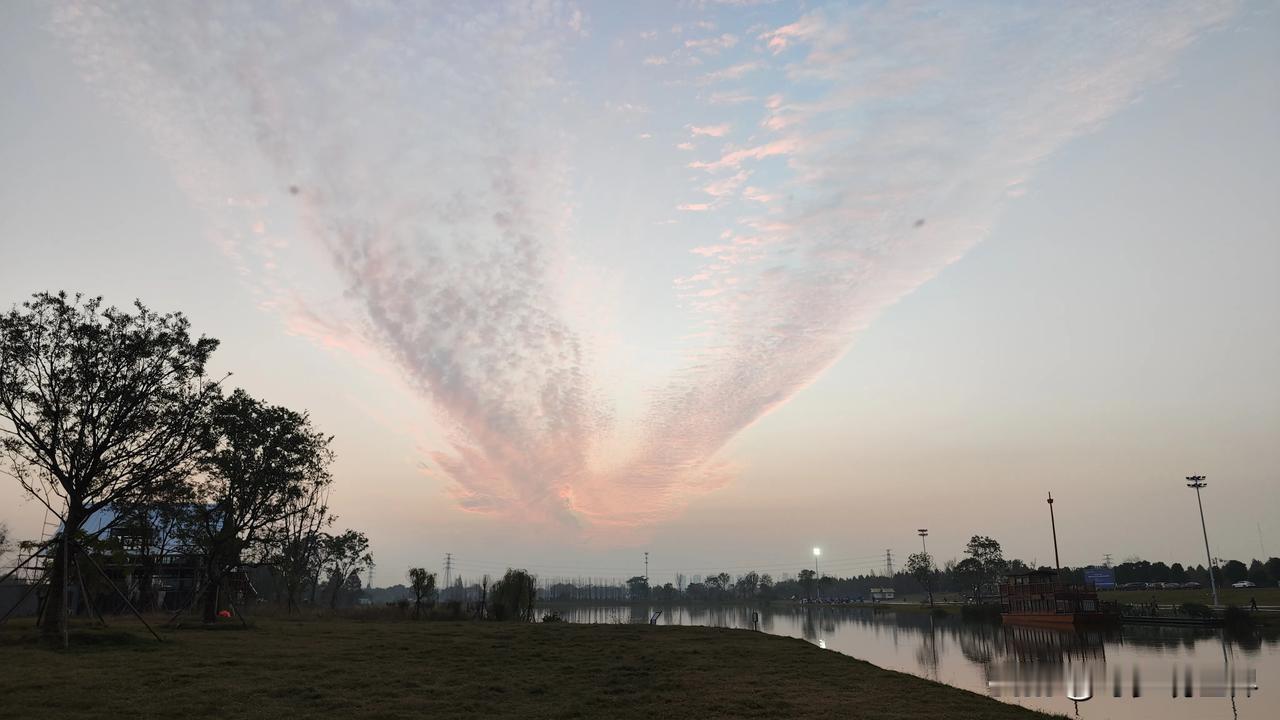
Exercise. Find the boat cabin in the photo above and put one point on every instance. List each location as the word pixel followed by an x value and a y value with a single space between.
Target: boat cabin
pixel 1039 592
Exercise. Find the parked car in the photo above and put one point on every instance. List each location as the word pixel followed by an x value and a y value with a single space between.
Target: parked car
pixel 1191 585
pixel 1133 586
pixel 1243 584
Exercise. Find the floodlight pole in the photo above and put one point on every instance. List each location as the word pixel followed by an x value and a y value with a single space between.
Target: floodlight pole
pixel 1054 526
pixel 924 533
pixel 816 575
pixel 1197 482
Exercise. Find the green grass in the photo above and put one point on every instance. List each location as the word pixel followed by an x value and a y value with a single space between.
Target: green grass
pixel 1227 596
pixel 383 669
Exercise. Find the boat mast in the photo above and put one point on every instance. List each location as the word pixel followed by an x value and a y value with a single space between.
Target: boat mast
pixel 1057 566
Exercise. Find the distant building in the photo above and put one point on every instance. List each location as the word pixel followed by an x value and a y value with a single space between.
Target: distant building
pixel 1101 578
pixel 879 594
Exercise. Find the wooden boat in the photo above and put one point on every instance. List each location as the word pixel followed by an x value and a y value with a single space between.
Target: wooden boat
pixel 1038 598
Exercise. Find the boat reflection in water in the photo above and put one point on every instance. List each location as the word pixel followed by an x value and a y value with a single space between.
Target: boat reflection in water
pixel 980 656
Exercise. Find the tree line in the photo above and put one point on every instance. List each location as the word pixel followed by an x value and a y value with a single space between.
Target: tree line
pixel 975 576
pixel 108 412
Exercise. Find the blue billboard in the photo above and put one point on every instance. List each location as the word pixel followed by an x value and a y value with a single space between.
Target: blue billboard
pixel 1102 578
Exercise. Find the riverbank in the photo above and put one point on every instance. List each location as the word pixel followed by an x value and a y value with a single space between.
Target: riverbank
pixel 349 668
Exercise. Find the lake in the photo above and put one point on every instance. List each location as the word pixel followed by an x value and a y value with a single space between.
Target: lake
pixel 1030 666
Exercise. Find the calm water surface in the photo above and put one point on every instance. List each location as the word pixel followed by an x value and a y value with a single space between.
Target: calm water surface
pixel 1036 662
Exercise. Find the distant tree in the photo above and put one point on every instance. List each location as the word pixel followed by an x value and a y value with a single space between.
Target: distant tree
pixel 987 552
pixel 920 567
pixel 1177 573
pixel 343 556
pixel 747 585
pixel 1273 569
pixel 296 544
pixel 695 592
pixel 512 597
pixel 717 586
pixel 638 588
pixel 424 586
pixel 1234 571
pixel 807 578
pixel 969 575
pixel 98 407
pixel 4 539
pixel 1258 574
pixel 766 587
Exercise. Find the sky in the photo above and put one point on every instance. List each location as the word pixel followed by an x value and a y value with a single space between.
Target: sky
pixel 719 281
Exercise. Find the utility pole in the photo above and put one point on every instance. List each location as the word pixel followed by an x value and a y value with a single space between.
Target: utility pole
pixel 646 568
pixel 1056 565
pixel 448 570
pixel 1197 482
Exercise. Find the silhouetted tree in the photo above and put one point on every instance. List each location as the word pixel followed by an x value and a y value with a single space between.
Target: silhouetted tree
pixel 969 575
pixel 343 555
pixel 987 552
pixel 920 567
pixel 1272 566
pixel 807 579
pixel 1234 571
pixel 296 544
pixel 4 539
pixel 98 407
pixel 747 585
pixel 266 460
pixel 424 586
pixel 638 588
pixel 1258 574
pixel 512 597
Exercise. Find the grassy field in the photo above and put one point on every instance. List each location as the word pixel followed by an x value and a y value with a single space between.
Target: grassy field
pixel 1227 596
pixel 362 669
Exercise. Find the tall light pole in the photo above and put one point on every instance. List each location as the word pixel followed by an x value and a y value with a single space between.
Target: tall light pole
pixel 924 533
pixel 1197 482
pixel 817 551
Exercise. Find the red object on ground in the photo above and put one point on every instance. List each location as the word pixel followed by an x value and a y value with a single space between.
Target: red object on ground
pixel 224 613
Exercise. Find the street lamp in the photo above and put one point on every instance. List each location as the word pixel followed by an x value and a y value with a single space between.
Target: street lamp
pixel 923 533
pixel 1197 482
pixel 817 551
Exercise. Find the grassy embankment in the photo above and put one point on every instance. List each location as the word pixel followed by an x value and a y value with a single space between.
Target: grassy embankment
pixel 380 669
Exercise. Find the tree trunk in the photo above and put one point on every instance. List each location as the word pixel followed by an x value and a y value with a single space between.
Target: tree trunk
pixel 55 610
pixel 211 594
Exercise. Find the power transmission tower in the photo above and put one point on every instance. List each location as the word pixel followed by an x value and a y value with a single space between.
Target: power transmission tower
pixel 448 568
pixel 646 568
pixel 1106 559
pixel 888 563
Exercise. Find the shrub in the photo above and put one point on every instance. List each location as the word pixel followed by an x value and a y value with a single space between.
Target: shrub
pixel 1197 610
pixel 1237 618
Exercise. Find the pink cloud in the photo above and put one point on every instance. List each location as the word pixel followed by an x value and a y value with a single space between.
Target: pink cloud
pixel 710 130
pixel 734 159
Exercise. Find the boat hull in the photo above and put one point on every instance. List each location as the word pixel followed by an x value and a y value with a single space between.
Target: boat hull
pixel 1058 620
